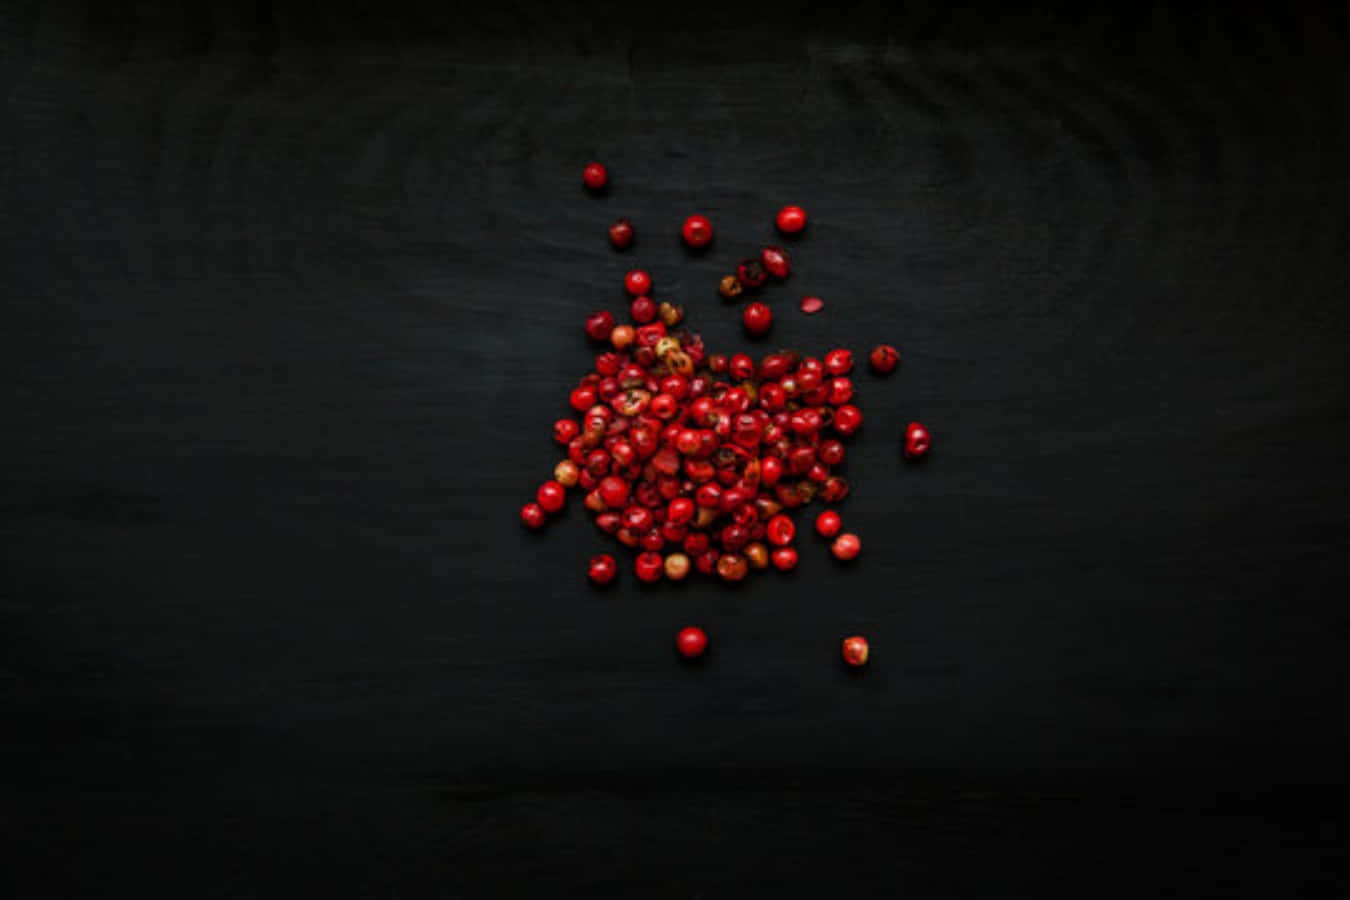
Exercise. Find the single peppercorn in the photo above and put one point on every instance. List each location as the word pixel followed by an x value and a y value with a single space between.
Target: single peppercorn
pixel 637 282
pixel 532 515
pixel 757 555
pixel 621 234
pixel 855 650
pixel 917 440
pixel 564 430
pixel 780 530
pixel 751 273
pixel 776 261
pixel 697 232
pixel 599 325
pixel 551 496
pixel 691 642
pixel 669 313
pixel 730 287
pixel 595 176
pixel 838 362
pixel 567 473
pixel 846 546
pixel 677 566
pixel 623 336
pixel 758 318
pixel 602 568
pixel 884 358
pixel 784 558
pixel 791 219
pixel 848 419
pixel 643 310
pixel 732 567
pixel 648 566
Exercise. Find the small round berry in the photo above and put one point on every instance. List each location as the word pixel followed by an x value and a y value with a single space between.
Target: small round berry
pixel 532 515
pixel 839 390
pixel 599 325
pixel 791 219
pixel 621 234
pixel 595 177
pixel 697 231
pixel 567 473
pixel 780 530
pixel 848 419
pixel 757 555
pixel 776 261
pixel 677 566
pixel 565 429
pixel 648 566
pixel 691 642
pixel 623 336
pixel 614 491
pixel 637 282
pixel 917 440
pixel 751 273
pixel 758 318
pixel 884 358
pixel 855 650
pixel 828 523
pixel 643 310
pixel 680 510
pixel 831 453
pixel 730 287
pixel 784 558
pixel 838 362
pixel 812 305
pixel 551 496
pixel 602 568
pixel 732 567
pixel 846 546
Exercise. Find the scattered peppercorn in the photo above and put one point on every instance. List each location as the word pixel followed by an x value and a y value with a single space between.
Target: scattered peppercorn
pixel 791 219
pixel 691 642
pixel 884 358
pixel 758 319
pixel 917 440
pixel 637 283
pixel 621 234
pixel 855 650
pixel 751 273
pixel 730 287
pixel 595 176
pixel 776 261
pixel 846 546
pixel 697 231
pixel 602 568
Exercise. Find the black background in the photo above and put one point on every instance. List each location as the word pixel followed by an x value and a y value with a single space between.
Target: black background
pixel 293 293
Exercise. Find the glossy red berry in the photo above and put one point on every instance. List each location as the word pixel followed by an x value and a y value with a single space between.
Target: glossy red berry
pixel 838 362
pixel 621 234
pixel 691 642
pixel 884 358
pixel 614 491
pixel 741 367
pixel 784 558
pixel 855 650
pixel 532 515
pixel 751 273
pixel 602 568
pixel 677 566
pixel 776 261
pixel 551 496
pixel 839 390
pixel 917 440
pixel 791 219
pixel 846 546
pixel 599 325
pixel 565 429
pixel 831 453
pixel 637 283
pixel 729 288
pixel 649 566
pixel 812 305
pixel 828 523
pixel 848 419
pixel 758 318
pixel 643 310
pixel 595 176
pixel 697 231
pixel 780 530
pixel 732 567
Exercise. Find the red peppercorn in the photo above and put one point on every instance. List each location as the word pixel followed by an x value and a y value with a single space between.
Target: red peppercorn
pixel 652 539
pixel 649 566
pixel 776 261
pixel 834 489
pixel 607 363
pixel 751 273
pixel 595 177
pixel 855 650
pixel 706 561
pixel 567 473
pixel 680 510
pixel 831 453
pixel 884 358
pixel 691 642
pixel 770 470
pixel 638 519
pixel 917 440
pixel 784 558
pixel 564 430
pixel 664 406
pixel 848 419
pixel 846 546
pixel 780 530
pixel 533 515
pixel 812 305
pixel 695 543
pixel 697 231
pixel 637 283
pixel 551 496
pixel 758 318
pixel 614 491
pixel 623 336
pixel 600 325
pixel 791 219
pixel 602 569
pixel 839 391
pixel 621 234
pixel 677 566
pixel 643 310
pixel 732 567
pixel 741 367
pixel 838 362
pixel 717 363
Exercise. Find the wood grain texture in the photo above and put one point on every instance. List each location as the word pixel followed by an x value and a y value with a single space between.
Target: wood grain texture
pixel 293 293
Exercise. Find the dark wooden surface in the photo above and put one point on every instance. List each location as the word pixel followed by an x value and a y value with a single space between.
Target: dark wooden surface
pixel 292 294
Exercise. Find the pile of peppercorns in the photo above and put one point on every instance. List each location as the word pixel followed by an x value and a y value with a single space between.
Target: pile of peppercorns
pixel 693 459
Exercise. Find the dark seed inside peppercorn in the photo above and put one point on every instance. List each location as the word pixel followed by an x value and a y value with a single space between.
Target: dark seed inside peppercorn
pixel 751 273
pixel 730 288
